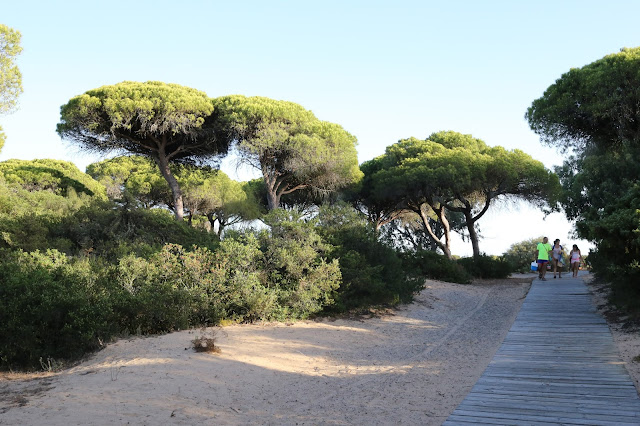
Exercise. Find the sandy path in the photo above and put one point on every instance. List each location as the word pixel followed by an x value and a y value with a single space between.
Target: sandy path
pixel 411 367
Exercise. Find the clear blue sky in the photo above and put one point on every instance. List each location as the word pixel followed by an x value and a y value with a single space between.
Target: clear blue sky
pixel 383 70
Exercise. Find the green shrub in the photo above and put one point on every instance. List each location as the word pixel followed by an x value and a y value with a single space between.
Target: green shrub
pixel 275 275
pixel 372 272
pixel 27 217
pixel 521 254
pixel 294 263
pixel 83 224
pixel 131 277
pixel 486 267
pixel 437 266
pixel 51 307
pixel 243 293
pixel 174 289
pixel 623 280
pixel 108 230
pixel 54 176
pixel 27 232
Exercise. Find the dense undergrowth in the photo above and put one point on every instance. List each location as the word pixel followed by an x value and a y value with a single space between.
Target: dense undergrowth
pixel 77 270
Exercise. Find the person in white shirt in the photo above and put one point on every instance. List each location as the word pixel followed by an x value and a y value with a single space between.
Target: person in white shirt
pixel 556 258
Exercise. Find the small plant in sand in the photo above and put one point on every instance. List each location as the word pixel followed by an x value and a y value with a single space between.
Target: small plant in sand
pixel 206 342
pixel 50 364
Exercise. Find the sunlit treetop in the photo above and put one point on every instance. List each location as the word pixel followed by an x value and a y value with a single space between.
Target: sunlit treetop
pixel 56 176
pixel 141 118
pixel 10 76
pixel 290 147
pixel 166 122
pixel 596 104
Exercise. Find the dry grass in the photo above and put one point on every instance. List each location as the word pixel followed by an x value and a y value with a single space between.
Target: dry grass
pixel 24 386
pixel 206 342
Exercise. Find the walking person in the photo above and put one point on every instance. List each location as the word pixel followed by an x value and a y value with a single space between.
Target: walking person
pixel 575 257
pixel 556 258
pixel 542 255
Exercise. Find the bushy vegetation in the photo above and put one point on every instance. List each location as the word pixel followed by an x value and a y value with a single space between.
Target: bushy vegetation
pixel 78 269
pixel 54 176
pixel 84 269
pixel 522 253
pixel 52 307
pixel 108 230
pixel 487 267
pixel 56 306
pixel 372 272
pixel 623 277
pixel 437 266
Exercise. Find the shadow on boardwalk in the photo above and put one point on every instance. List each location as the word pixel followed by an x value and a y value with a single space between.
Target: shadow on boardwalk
pixel 557 365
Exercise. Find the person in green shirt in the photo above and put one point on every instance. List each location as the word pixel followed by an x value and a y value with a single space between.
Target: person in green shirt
pixel 542 254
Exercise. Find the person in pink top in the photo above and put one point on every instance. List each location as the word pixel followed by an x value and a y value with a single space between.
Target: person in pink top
pixel 575 257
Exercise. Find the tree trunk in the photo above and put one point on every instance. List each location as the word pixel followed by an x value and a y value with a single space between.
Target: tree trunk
pixel 212 221
pixel 163 165
pixel 473 235
pixel 438 229
pixel 446 228
pixel 271 183
pixel 273 199
pixel 440 212
pixel 470 220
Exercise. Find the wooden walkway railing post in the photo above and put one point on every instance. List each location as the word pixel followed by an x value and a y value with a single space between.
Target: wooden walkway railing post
pixel 557 365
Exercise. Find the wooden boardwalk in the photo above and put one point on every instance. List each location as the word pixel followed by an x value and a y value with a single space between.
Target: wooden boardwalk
pixel 557 365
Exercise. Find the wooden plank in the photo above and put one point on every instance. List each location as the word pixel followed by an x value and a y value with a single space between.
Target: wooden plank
pixel 466 420
pixel 514 393
pixel 575 418
pixel 557 365
pixel 570 369
pixel 576 391
pixel 491 381
pixel 554 409
pixel 561 377
pixel 607 403
pixel 584 413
